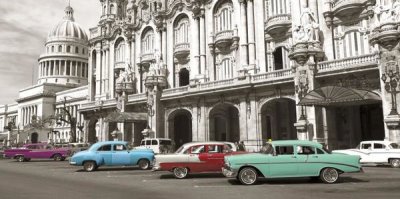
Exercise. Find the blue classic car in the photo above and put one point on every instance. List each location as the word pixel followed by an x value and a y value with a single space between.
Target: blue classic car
pixel 112 153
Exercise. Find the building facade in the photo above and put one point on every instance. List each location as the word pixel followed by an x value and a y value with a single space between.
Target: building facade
pixel 244 70
pixel 62 75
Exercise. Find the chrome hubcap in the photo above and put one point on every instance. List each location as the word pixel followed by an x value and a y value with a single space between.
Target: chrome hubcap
pixel 330 175
pixel 90 167
pixel 396 163
pixel 180 172
pixel 248 176
pixel 144 165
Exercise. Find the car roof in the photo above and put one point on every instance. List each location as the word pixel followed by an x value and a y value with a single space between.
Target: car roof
pixel 98 144
pixel 156 139
pixel 377 141
pixel 204 143
pixel 296 142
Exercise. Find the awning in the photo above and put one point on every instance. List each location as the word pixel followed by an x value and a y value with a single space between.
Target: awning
pixel 338 96
pixel 125 117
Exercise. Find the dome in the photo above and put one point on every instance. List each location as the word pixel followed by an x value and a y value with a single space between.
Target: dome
pixel 67 29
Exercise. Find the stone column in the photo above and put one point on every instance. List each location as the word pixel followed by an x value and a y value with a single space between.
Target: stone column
pixel 251 36
pixel 98 73
pixel 202 46
pixel 243 37
pixel 195 49
pixel 164 44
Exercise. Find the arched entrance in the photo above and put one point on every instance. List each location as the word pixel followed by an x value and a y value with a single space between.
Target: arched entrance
pixel 277 119
pixel 224 123
pixel 180 127
pixel 34 137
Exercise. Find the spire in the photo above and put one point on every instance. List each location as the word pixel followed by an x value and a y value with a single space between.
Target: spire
pixel 69 12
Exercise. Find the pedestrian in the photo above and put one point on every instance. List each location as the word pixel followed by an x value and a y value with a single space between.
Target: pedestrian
pixel 241 146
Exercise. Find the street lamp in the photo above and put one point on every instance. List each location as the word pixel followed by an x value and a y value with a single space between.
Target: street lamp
pixel 301 90
pixel 80 127
pixel 392 75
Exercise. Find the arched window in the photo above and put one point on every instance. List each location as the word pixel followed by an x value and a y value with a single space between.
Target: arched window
pixel 112 9
pixel 181 31
pixel 148 41
pixel 120 51
pixel 52 49
pixel 223 17
pixel 76 50
pixel 351 44
pixel 60 48
pixel 83 50
pixel 68 49
pixel 104 10
pixel 281 58
pixel 277 7
pixel 225 69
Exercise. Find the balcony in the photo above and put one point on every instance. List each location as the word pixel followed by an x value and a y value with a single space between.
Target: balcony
pixel 147 58
pixel 108 17
pixel 182 51
pixel 226 40
pixel 359 63
pixel 278 25
pixel 349 8
pixel 127 87
pixel 119 65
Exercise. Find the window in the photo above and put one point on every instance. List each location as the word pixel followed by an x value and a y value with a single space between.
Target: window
pixel 394 146
pixel 148 142
pixel 284 150
pixel 378 146
pixel 76 50
pixel 223 17
pixel 119 147
pixel 105 148
pixel 215 148
pixel 319 151
pixel 225 69
pixel 148 42
pixel 52 49
pixel 198 149
pixel 154 142
pixel 143 142
pixel 181 31
pixel 305 150
pixel 59 48
pixel 68 49
pixel 366 146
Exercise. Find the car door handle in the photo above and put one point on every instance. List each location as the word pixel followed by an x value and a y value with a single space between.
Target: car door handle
pixel 294 156
pixel 314 156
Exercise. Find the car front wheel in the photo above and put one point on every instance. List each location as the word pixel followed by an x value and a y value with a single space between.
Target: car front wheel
pixel 144 164
pixel 20 158
pixel 329 175
pixel 395 163
pixel 57 157
pixel 248 176
pixel 89 166
pixel 180 172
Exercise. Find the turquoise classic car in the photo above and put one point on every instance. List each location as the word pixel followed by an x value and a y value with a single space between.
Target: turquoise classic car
pixel 290 158
pixel 112 153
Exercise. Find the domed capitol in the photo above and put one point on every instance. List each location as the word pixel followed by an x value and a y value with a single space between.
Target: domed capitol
pixel 224 70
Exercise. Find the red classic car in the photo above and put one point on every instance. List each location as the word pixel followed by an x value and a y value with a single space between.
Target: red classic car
pixel 37 151
pixel 195 157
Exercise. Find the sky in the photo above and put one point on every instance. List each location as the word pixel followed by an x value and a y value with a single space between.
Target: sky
pixel 24 25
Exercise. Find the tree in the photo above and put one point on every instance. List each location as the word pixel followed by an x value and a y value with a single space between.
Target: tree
pixel 66 116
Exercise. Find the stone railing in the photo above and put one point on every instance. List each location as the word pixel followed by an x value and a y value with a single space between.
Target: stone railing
pixel 147 57
pixel 181 50
pixel 278 18
pixel 172 91
pixel 119 65
pixel 137 97
pixel 274 75
pixel 346 63
pixel 222 35
pixel 88 105
pixel 219 83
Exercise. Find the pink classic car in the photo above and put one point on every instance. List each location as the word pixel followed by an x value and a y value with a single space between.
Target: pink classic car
pixel 37 151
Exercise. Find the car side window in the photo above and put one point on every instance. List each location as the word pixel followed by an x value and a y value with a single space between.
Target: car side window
pixel 284 150
pixel 378 146
pixel 142 142
pixel 305 150
pixel 366 146
pixel 105 148
pixel 148 142
pixel 198 149
pixel 154 142
pixel 215 148
pixel 319 151
pixel 119 147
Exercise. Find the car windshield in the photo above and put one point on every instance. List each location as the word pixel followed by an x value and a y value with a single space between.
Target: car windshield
pixel 394 146
pixel 179 150
pixel 267 149
pixel 326 150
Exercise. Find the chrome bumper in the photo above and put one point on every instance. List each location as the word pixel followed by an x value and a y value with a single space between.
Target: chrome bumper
pixel 72 163
pixel 228 172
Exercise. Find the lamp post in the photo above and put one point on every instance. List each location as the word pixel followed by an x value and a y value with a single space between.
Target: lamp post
pixel 301 90
pixel 9 127
pixel 80 127
pixel 391 79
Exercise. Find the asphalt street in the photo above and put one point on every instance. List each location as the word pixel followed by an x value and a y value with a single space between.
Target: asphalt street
pixel 48 179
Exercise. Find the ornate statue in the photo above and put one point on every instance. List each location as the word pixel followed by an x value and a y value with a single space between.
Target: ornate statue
pixel 299 35
pixel 310 25
pixel 396 10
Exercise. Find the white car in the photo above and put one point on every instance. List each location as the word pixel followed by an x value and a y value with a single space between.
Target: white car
pixel 158 145
pixel 377 152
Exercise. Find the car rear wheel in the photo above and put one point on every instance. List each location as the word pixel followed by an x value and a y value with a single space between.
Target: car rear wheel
pixel 57 157
pixel 248 176
pixel 20 158
pixel 329 175
pixel 180 172
pixel 395 163
pixel 89 166
pixel 144 164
